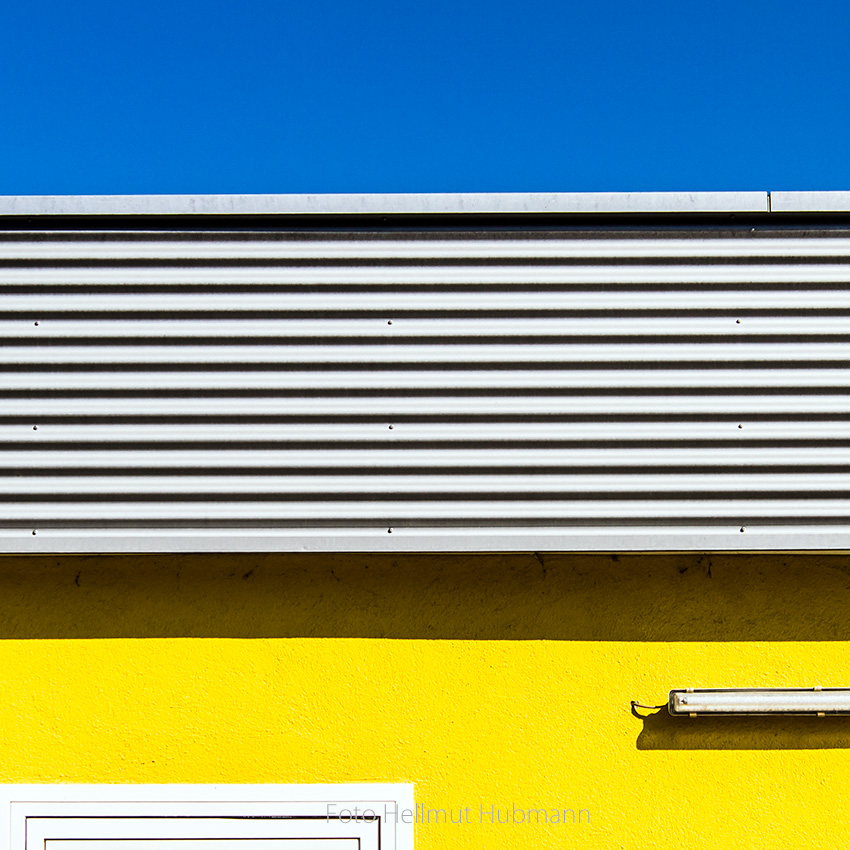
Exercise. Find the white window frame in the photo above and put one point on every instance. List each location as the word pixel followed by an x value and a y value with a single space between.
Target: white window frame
pixel 206 817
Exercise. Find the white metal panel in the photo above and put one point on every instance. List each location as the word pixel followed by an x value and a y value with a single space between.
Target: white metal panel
pixel 424 390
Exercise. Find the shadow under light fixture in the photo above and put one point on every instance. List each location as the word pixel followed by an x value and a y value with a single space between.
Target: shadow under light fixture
pixel 814 702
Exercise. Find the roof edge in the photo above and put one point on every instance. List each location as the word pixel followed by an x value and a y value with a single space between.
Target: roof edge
pixel 810 201
pixel 475 203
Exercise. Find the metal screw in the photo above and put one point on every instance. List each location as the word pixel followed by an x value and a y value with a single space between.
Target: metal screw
pixel 389 531
pixel 391 427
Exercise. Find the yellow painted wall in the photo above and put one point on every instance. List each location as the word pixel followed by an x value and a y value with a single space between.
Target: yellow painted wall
pixel 484 680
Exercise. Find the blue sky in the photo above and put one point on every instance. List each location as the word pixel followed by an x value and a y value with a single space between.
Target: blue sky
pixel 324 96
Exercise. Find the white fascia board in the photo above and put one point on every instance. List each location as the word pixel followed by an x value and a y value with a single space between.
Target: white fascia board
pixel 384 204
pixel 810 201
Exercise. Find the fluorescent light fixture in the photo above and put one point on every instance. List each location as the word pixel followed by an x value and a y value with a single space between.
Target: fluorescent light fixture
pixel 816 702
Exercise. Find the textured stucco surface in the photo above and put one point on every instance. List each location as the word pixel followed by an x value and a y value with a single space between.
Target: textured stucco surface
pixel 484 680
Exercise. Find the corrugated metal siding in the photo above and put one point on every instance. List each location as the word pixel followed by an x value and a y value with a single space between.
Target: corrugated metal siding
pixel 424 390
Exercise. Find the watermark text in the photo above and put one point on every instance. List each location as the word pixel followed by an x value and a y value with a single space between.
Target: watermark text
pixel 489 813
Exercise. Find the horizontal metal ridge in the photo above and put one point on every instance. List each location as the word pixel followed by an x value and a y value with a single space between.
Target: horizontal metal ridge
pixel 437 279
pixel 497 406
pixel 503 484
pixel 221 536
pixel 379 434
pixel 393 511
pixel 562 380
pixel 119 250
pixel 599 355
pixel 81 354
pixel 397 459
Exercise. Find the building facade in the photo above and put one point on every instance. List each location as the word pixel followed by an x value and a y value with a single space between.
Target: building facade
pixel 429 490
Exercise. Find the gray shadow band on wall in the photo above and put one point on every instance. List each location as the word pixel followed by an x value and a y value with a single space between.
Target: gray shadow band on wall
pixel 597 597
pixel 663 732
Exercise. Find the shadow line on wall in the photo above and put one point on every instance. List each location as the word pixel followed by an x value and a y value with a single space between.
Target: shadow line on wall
pixel 571 597
pixel 663 732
